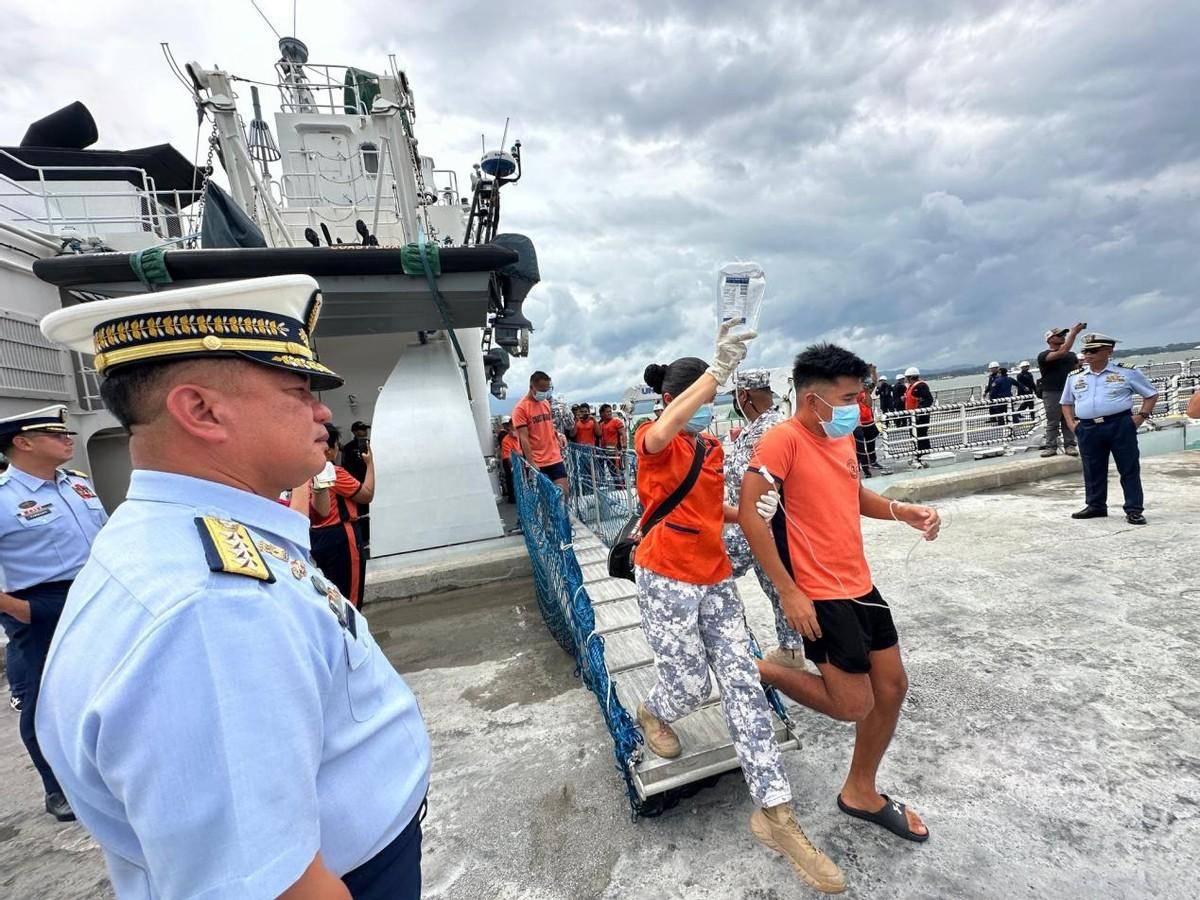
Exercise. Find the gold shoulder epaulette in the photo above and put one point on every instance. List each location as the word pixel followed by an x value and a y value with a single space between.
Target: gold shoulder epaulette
pixel 77 473
pixel 229 548
pixel 1077 371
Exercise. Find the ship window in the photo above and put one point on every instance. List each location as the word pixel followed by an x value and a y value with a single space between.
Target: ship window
pixel 30 366
pixel 370 157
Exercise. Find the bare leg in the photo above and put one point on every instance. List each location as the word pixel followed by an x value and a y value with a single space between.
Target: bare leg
pixel 838 694
pixel 873 734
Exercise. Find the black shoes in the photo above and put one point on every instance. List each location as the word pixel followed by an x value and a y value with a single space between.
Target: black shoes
pixel 57 806
pixel 1090 512
pixel 1135 518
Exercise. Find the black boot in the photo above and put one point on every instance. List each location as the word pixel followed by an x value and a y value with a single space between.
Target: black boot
pixel 1135 518
pixel 57 806
pixel 1090 512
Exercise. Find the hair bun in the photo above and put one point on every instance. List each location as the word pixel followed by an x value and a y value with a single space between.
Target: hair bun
pixel 654 376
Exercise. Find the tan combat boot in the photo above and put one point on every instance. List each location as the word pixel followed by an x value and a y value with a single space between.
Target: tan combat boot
pixel 791 659
pixel 660 737
pixel 776 827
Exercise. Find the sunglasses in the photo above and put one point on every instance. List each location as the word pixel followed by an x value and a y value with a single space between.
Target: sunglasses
pixel 1086 352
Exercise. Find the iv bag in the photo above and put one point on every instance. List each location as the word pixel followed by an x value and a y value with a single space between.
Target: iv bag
pixel 740 288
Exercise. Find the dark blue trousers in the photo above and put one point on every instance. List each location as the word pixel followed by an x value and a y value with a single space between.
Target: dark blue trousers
pixel 1116 435
pixel 394 873
pixel 15 666
pixel 46 603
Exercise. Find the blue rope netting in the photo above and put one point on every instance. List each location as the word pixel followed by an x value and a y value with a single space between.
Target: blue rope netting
pixel 604 497
pixel 567 609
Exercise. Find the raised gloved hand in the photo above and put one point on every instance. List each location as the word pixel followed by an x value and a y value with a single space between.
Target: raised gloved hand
pixel 731 349
pixel 767 504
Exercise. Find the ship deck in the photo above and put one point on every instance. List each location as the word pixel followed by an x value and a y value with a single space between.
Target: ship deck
pixel 1050 736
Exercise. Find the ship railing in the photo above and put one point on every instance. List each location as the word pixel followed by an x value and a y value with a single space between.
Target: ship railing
pixel 960 426
pixel 603 488
pixel 1180 392
pixel 321 88
pixel 141 208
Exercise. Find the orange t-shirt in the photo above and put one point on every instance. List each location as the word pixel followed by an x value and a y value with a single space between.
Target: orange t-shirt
pixel 543 439
pixel 820 493
pixel 610 432
pixel 687 544
pixel 585 431
pixel 509 445
pixel 866 414
pixel 345 486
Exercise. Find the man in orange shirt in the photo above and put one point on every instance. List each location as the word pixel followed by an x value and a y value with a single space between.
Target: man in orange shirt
pixel 587 429
pixel 508 446
pixel 813 552
pixel 541 444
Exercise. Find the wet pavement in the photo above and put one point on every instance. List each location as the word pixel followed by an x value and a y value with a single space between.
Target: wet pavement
pixel 1051 736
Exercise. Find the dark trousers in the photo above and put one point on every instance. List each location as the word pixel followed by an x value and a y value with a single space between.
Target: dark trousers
pixel 46 603
pixel 337 551
pixel 864 447
pixel 14 656
pixel 506 481
pixel 394 873
pixel 922 433
pixel 1116 435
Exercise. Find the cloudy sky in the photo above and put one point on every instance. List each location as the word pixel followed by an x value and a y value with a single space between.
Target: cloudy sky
pixel 930 183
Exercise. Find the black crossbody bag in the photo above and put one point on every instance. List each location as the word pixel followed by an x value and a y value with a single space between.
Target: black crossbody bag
pixel 620 555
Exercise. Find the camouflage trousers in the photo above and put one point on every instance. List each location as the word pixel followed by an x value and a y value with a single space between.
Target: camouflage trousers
pixel 743 561
pixel 691 627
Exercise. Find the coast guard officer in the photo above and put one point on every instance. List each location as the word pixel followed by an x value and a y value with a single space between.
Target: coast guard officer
pixel 1096 404
pixel 220 717
pixel 49 517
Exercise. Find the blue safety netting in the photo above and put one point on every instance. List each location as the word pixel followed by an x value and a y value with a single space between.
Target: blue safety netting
pixel 604 492
pixel 567 609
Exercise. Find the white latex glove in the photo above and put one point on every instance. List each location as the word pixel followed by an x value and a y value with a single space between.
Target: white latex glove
pixel 325 478
pixel 767 504
pixel 731 349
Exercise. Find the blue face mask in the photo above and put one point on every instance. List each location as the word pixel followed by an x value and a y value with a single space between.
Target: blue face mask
pixel 543 395
pixel 844 421
pixel 700 419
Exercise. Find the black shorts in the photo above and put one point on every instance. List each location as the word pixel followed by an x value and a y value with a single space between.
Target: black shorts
pixel 554 471
pixel 851 631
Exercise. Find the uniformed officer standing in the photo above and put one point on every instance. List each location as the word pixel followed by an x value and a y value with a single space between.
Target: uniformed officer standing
pixel 1096 404
pixel 219 715
pixel 49 517
pixel 756 402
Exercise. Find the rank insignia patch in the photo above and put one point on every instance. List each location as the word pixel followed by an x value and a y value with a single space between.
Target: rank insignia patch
pixel 84 491
pixel 229 548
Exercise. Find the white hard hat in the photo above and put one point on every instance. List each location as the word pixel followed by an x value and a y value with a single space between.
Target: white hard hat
pixel 993 365
pixel 883 378
pixel 1023 364
pixel 504 420
pixel 911 371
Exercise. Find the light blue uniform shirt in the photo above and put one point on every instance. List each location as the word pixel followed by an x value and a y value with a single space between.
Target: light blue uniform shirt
pixel 46 527
pixel 214 731
pixel 1105 393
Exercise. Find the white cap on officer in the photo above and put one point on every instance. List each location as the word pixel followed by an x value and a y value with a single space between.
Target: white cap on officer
pixel 47 420
pixel 1094 340
pixel 269 321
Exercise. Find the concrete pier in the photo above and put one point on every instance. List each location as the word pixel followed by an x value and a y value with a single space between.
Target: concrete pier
pixel 1051 735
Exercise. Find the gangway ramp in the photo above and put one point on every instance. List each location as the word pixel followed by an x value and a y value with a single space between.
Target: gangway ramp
pixel 707 746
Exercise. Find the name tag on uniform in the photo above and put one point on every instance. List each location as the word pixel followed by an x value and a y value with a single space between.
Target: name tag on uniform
pixel 31 509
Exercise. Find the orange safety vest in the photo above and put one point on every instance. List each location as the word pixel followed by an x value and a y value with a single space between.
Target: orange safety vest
pixel 910 398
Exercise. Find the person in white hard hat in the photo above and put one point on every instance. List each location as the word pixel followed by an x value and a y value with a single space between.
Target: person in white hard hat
pixel 1026 387
pixel 993 372
pixel 1055 365
pixel 917 395
pixel 218 715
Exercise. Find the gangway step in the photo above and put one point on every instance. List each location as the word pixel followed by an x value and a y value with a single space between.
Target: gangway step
pixel 703 734
pixel 626 649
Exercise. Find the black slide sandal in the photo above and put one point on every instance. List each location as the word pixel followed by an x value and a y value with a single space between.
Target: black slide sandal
pixel 891 817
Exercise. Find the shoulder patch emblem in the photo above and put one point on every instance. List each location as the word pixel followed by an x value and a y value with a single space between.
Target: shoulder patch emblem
pixel 229 548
